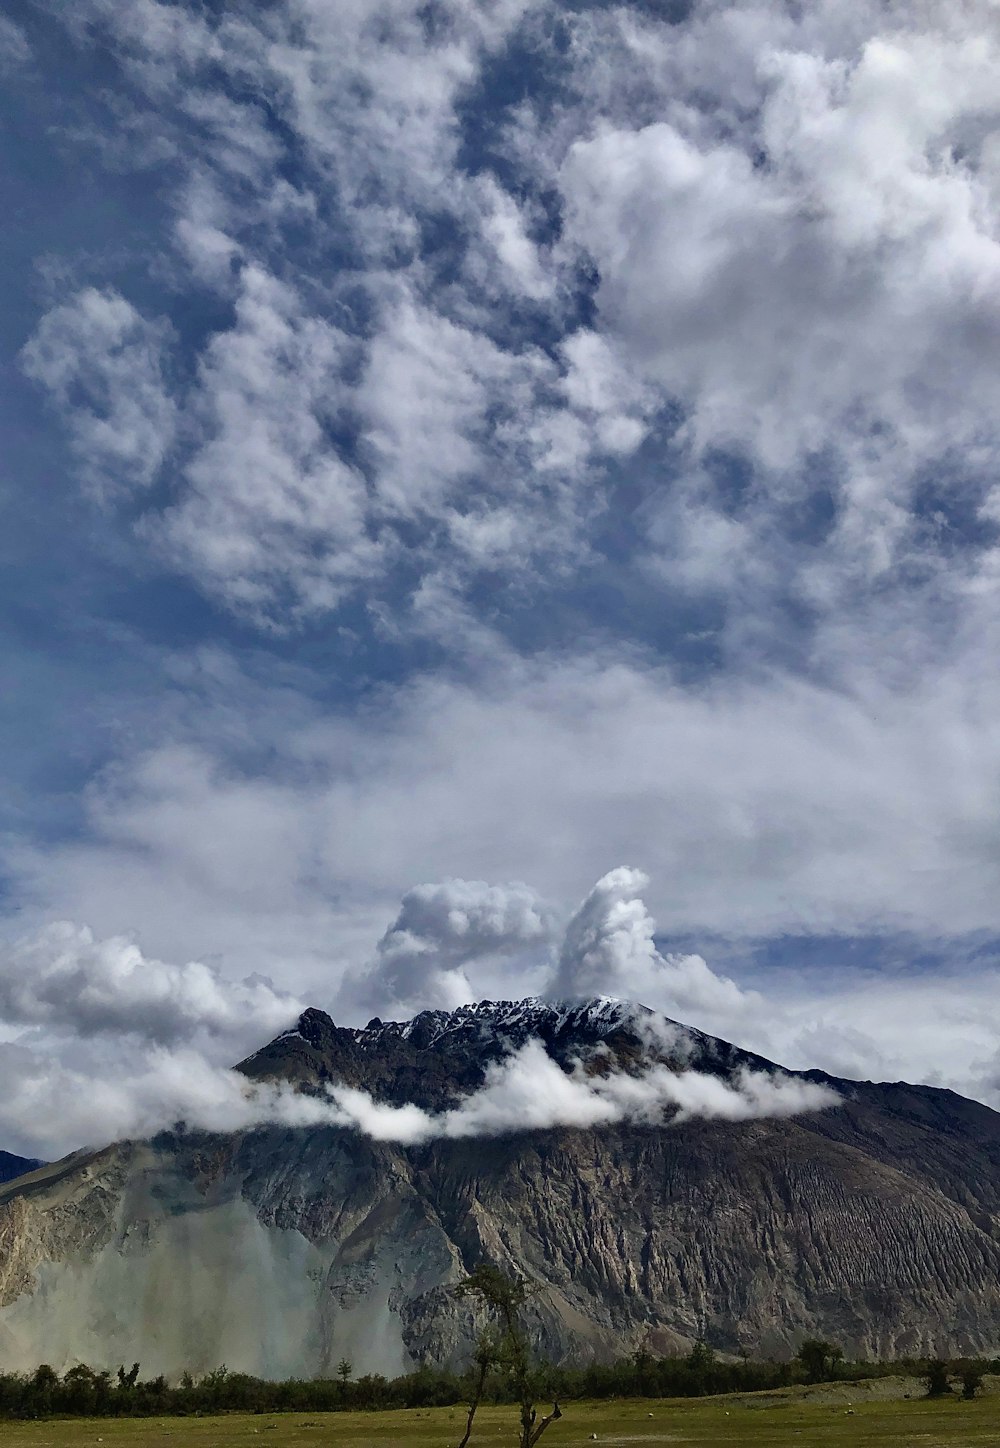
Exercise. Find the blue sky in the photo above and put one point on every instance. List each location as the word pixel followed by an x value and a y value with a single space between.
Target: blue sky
pixel 466 449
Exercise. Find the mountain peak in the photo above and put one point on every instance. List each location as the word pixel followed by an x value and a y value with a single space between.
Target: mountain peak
pixel 438 1056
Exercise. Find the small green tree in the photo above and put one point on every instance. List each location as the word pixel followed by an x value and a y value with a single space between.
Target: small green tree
pixel 41 1388
pixel 972 1379
pixel 937 1378
pixel 819 1359
pixel 345 1370
pixel 701 1363
pixel 504 1347
pixel 78 1386
pixel 128 1380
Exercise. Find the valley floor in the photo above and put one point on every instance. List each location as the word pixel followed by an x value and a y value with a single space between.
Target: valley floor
pixel 764 1420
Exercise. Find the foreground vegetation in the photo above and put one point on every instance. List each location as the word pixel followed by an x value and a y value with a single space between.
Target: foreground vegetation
pixel 82 1392
pixel 789 1419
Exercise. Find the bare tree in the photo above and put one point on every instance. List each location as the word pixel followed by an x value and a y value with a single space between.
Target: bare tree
pixel 504 1347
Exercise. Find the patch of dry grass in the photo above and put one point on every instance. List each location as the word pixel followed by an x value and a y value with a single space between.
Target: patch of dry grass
pixel 767 1420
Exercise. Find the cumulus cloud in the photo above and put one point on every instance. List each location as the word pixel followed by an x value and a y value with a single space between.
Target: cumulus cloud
pixel 332 407
pixel 423 960
pixel 65 979
pixel 609 949
pixel 462 940
pixel 268 496
pixel 791 226
pixel 777 235
pixel 104 364
pixel 761 197
pixel 795 223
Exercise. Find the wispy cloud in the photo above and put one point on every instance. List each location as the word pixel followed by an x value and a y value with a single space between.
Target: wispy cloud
pixel 15 49
pixel 104 363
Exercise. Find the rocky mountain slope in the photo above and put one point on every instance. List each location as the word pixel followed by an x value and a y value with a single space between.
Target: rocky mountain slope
pixel 875 1223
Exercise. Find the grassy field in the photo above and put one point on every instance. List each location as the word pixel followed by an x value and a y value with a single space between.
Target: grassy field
pixel 771 1420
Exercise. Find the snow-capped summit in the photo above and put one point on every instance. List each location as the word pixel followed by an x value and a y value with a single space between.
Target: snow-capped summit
pixel 438 1056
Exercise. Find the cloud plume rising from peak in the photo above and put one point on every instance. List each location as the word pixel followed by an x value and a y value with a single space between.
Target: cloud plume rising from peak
pixel 443 931
pixel 609 949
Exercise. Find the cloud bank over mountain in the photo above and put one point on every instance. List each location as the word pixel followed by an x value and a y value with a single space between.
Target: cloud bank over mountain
pixel 64 979
pixel 134 1045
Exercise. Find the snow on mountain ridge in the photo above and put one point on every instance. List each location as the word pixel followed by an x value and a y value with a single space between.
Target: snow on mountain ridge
pixel 517 1018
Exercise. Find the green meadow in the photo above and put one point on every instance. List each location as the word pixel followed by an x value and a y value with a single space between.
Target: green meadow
pixel 766 1420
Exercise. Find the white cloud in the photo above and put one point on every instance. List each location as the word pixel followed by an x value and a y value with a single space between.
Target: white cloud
pixel 938 1025
pixel 423 960
pixel 104 365
pixel 202 235
pixel 50 1108
pixel 794 217
pixel 763 296
pixel 64 979
pixel 353 412
pixel 505 229
pixel 609 950
pixel 608 947
pixel 528 1091
pixel 797 230
pixel 756 808
pixel 272 507
pixel 372 92
pixel 428 387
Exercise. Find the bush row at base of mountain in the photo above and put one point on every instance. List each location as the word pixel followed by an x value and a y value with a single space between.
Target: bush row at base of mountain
pixel 83 1392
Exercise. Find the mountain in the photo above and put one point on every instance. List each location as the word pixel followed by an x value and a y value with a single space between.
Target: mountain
pixel 875 1222
pixel 16 1166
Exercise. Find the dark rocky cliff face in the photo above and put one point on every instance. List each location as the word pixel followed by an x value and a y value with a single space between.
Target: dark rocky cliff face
pixel 875 1223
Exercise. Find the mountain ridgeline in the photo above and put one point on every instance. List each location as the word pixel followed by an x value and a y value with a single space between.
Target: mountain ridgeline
pixel 875 1222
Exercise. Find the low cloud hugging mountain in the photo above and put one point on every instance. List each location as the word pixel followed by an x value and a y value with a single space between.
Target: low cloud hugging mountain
pixel 53 1108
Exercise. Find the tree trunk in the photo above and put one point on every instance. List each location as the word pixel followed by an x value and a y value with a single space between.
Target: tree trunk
pixel 484 1368
pixel 537 1432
